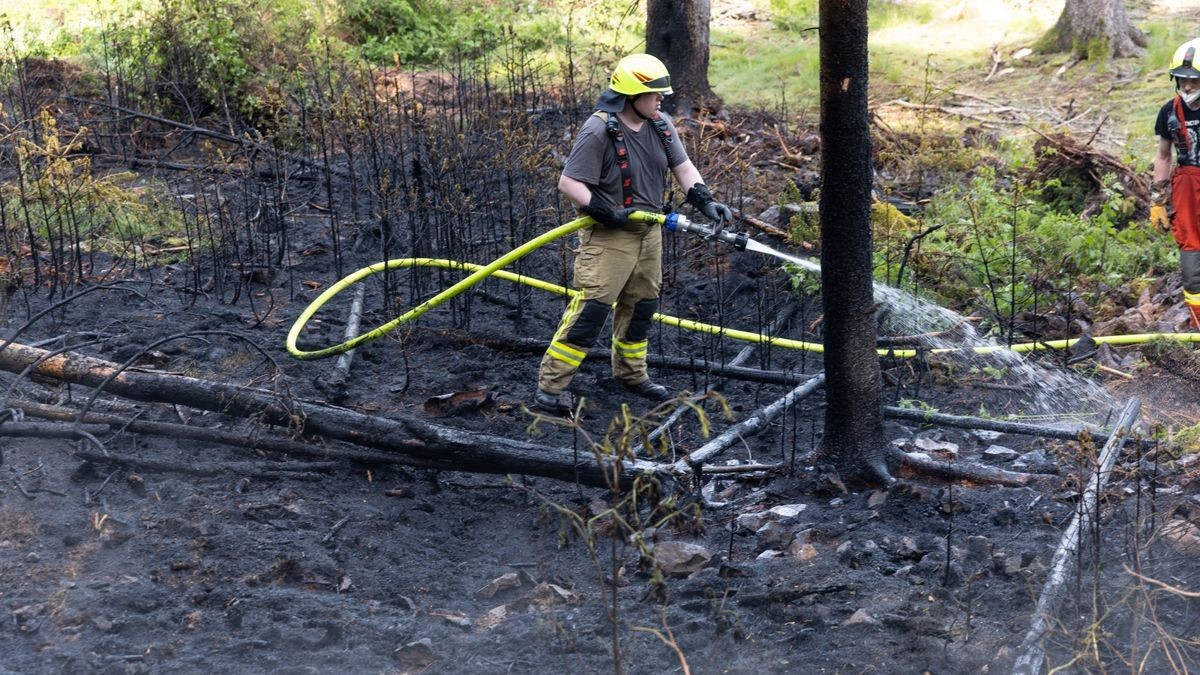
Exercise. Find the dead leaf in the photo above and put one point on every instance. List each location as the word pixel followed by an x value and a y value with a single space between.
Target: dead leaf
pixel 457 403
pixel 501 583
pixel 312 284
pixel 547 595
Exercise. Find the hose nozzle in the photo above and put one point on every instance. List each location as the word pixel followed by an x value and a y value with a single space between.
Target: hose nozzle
pixel 678 222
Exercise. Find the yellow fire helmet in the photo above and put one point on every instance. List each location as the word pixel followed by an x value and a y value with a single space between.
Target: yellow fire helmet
pixel 1183 62
pixel 641 74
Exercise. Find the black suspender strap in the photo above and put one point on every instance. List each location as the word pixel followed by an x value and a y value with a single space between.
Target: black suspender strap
pixel 613 126
pixel 618 139
pixel 664 134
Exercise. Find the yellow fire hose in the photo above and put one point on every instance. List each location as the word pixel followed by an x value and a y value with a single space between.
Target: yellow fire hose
pixel 494 269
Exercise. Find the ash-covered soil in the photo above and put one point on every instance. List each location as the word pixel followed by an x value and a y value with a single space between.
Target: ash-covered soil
pixel 190 556
pixel 253 562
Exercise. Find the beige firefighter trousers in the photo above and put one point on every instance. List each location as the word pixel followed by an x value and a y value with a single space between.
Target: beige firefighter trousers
pixel 612 266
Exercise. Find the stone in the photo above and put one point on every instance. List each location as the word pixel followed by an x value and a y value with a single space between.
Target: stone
pixel 679 558
pixel 546 595
pixel 492 618
pixel 861 617
pixel 985 435
pixel 773 535
pixel 784 514
pixel 802 551
pixel 1183 536
pixel 415 656
pixel 929 445
pixel 1001 453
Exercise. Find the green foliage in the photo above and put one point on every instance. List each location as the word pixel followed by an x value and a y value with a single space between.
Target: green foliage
pixel 794 15
pixel 749 70
pixel 882 14
pixel 421 31
pixel 801 15
pixel 1187 439
pixel 57 194
pixel 198 56
pixel 1001 243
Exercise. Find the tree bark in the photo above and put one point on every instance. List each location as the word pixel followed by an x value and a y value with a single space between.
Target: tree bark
pixel 854 387
pixel 677 33
pixel 1094 29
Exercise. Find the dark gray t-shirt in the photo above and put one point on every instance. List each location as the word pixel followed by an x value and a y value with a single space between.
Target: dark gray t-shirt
pixel 593 162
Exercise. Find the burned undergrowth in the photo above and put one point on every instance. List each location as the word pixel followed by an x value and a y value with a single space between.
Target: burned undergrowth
pixel 144 548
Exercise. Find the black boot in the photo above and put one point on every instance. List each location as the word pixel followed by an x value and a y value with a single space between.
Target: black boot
pixel 651 390
pixel 550 403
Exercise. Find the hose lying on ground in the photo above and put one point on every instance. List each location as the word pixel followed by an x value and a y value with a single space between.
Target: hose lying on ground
pixel 494 269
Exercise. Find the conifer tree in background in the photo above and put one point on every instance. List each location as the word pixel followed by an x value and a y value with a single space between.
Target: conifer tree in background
pixel 677 33
pixel 1094 29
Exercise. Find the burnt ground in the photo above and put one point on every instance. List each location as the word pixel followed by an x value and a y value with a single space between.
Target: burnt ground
pixel 249 561
pixel 383 568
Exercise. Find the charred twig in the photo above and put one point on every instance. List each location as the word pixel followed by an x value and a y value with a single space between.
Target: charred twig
pixel 333 530
pixel 218 135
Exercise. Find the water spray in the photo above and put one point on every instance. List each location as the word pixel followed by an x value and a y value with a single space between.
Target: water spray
pixel 676 222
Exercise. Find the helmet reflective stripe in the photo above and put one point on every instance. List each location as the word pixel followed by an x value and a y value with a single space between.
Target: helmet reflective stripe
pixel 640 74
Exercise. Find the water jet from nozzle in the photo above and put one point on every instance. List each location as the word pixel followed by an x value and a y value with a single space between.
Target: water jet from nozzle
pixel 807 264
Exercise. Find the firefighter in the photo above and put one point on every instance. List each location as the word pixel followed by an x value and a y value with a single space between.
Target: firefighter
pixel 618 165
pixel 1175 196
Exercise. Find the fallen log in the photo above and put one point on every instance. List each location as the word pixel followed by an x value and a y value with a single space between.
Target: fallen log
pixel 35 430
pixel 961 422
pixel 251 469
pixel 971 471
pixel 748 427
pixel 422 444
pixel 746 352
pixel 1032 653
pixel 249 439
pixel 335 383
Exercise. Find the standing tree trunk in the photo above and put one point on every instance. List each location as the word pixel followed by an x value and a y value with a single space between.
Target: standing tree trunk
pixel 854 388
pixel 1094 29
pixel 677 33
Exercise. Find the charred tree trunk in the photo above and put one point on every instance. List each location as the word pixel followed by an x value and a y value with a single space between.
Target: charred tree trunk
pixel 1094 29
pixel 853 384
pixel 677 33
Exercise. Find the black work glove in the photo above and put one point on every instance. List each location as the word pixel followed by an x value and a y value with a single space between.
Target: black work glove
pixel 606 215
pixel 700 197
